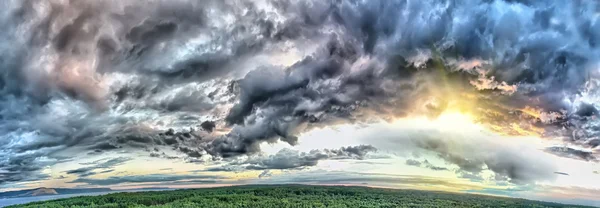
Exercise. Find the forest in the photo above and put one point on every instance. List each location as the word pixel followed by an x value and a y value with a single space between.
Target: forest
pixel 300 196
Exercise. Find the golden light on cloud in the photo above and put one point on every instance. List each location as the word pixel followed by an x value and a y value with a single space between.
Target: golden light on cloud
pixel 449 120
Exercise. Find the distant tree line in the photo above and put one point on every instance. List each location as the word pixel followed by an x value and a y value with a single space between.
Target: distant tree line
pixel 296 196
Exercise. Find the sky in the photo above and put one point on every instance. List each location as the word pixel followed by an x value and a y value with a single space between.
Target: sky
pixel 495 97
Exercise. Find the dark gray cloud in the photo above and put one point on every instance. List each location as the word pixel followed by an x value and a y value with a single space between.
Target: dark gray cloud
pixel 104 165
pixel 425 164
pixel 107 75
pixel 412 162
pixel 293 159
pixel 104 147
pixel 26 166
pixel 163 155
pixel 561 173
pixel 107 171
pixel 151 178
pixel 208 126
pixel 265 174
pixel 572 153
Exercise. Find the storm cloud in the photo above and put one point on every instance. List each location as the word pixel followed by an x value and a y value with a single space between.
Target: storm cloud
pixel 226 76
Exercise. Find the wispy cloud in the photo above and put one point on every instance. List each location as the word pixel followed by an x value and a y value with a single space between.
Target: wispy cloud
pixel 119 180
pixel 105 165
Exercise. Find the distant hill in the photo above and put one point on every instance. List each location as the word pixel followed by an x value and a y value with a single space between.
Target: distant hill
pixel 41 192
pixel 277 196
pixel 49 191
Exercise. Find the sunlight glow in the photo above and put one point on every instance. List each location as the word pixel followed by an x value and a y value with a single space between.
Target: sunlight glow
pixel 447 121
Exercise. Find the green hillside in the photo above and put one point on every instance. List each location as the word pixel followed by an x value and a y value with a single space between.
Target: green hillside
pixel 290 196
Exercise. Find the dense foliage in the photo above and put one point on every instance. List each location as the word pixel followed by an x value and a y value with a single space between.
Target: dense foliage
pixel 290 196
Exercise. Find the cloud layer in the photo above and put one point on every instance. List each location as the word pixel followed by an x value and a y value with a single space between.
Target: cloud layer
pixel 292 159
pixel 104 165
pixel 151 178
pixel 214 79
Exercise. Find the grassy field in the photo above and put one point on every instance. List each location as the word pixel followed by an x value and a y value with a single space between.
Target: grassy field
pixel 290 196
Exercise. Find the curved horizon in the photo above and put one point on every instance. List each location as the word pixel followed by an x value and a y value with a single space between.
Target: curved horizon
pixel 495 97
